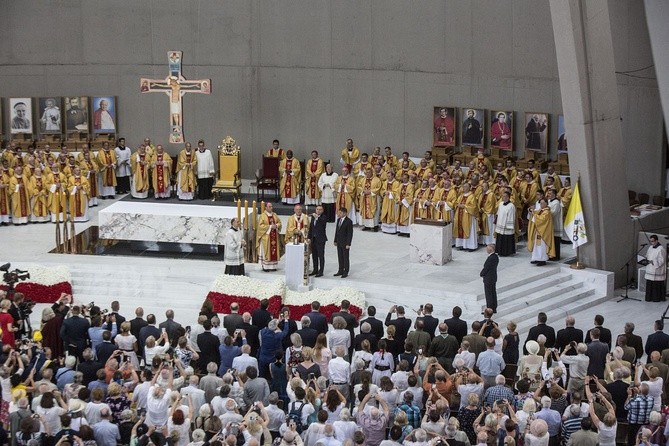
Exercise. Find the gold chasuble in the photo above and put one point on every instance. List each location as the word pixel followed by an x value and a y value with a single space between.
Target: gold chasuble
pixel 368 191
pixel 350 158
pixel 446 199
pixel 404 211
pixel 344 187
pixel 187 168
pixel 161 164
pixel 565 197
pixel 419 195
pixel 429 203
pixel 267 238
pixel 290 178
pixel 487 206
pixel 107 164
pixel 314 169
pixel 39 197
pixel 540 230
pixel 139 164
pixel 463 215
pixel 89 169
pixel 18 187
pixel 78 193
pixel 300 224
pixel 391 195
pixel 57 196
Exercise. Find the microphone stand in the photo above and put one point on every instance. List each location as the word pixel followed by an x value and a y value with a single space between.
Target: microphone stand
pixel 627 271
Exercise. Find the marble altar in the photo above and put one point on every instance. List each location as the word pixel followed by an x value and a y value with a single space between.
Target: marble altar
pixel 294 265
pixel 430 242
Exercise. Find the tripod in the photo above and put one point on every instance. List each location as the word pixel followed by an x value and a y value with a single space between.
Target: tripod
pixel 627 275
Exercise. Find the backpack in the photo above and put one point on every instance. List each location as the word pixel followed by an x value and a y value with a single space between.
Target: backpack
pixel 295 416
pixel 295 358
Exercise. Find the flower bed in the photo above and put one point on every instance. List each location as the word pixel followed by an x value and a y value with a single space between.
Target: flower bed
pixel 46 284
pixel 248 293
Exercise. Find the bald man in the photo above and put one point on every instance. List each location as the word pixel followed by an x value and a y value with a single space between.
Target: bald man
pixel 567 335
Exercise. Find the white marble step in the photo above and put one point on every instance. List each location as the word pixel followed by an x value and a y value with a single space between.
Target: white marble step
pixel 533 288
pixel 538 299
pixel 504 285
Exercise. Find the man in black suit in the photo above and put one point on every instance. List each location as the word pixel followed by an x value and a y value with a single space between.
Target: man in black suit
pixel 318 321
pixel 377 325
pixel 456 326
pixel 292 327
pixel 657 341
pixel 489 274
pixel 342 240
pixel 604 333
pixel 260 316
pixel 307 333
pixel 149 330
pixel 633 340
pixel 401 323
pixel 170 327
pixel 115 307
pixel 252 334
pixel 430 323
pixel 365 334
pixel 318 238
pixel 208 344
pixel 233 321
pixel 351 321
pixel 138 322
pixel 541 329
pixel 74 332
pixel 106 348
pixel 567 335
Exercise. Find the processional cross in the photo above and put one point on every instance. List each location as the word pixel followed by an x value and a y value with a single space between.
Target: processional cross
pixel 175 86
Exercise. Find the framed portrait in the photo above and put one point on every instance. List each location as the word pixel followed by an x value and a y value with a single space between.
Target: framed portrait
pixel 536 131
pixel 472 127
pixel 104 114
pixel 76 114
pixel 562 138
pixel 501 129
pixel 50 115
pixel 21 115
pixel 443 126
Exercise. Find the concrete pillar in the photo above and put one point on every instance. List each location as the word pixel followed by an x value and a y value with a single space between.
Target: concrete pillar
pixel 657 17
pixel 584 48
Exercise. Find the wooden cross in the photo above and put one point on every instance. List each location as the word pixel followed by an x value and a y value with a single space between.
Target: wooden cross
pixel 175 86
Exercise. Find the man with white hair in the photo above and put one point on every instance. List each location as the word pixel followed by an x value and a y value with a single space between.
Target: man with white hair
pixel 65 375
pixel 230 414
pixel 329 438
pixel 210 382
pixel 490 363
pixel 572 423
pixel 157 401
pixel 466 384
pixel 307 333
pixel 498 392
pixel 417 437
pixel 365 333
pixel 569 334
pixel 340 371
pixel 196 394
pixel 374 424
pixel 241 362
pixel 578 366
pixel 106 433
pixel 468 358
pixel 275 415
pixel 551 417
pixel 639 405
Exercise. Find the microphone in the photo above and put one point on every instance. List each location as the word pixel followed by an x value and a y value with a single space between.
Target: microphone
pixel 644 244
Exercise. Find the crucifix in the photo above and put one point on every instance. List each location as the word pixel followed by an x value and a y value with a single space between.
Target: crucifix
pixel 175 86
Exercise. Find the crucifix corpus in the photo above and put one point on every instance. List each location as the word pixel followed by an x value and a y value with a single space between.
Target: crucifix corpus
pixel 175 86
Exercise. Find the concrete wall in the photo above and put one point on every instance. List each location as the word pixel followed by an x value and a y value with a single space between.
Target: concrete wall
pixel 315 72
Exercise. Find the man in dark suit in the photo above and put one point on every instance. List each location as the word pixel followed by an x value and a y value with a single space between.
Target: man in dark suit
pixel 476 341
pixel 115 308
pixel 489 274
pixel 567 335
pixel 657 341
pixel 74 332
pixel 171 328
pixel 138 322
pixel 430 323
pixel 604 333
pixel 318 321
pixel 377 325
pixel 307 333
pixel 292 327
pixel 342 240
pixel 541 329
pixel 633 340
pixel 106 348
pixel 208 344
pixel 351 321
pixel 318 238
pixel 401 323
pixel 260 316
pixel 233 321
pixel 365 334
pixel 149 330
pixel 456 326
pixel 252 334
pixel 597 352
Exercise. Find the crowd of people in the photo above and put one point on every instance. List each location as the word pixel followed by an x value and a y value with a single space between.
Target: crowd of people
pixel 90 376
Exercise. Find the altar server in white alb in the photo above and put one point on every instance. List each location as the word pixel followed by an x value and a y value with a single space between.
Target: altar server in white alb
pixel 656 271
pixel 505 226
pixel 326 184
pixel 123 170
pixel 205 171
pixel 555 204
pixel 234 250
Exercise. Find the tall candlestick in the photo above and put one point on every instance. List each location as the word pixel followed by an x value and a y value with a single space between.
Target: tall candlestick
pixel 246 214
pixel 262 207
pixel 254 222
pixel 239 211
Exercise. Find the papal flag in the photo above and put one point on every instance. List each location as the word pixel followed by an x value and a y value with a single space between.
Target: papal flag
pixel 574 223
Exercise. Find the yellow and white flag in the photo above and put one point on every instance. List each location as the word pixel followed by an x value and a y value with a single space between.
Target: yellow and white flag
pixel 574 224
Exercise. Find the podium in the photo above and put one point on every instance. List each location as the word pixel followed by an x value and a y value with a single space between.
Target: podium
pixel 430 242
pixel 295 266
pixel 229 169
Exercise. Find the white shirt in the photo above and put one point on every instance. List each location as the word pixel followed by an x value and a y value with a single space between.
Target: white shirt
pixel 506 217
pixel 196 395
pixel 339 337
pixel 339 371
pixel 417 396
pixel 276 417
pixel 468 357
pixel 140 393
pixel 123 162
pixel 205 164
pixel 92 412
pixel 344 429
pixel 307 410
pixel 556 214
pixel 244 360
pixel 657 270
pixel 156 408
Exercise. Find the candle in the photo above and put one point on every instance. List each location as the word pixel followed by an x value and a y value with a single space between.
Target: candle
pixel 254 222
pixel 239 211
pixel 246 214
pixel 262 207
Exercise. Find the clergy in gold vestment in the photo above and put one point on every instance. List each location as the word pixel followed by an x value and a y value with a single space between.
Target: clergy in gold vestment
pixel 289 185
pixel 404 200
pixel 487 209
pixel 161 171
pixel 350 155
pixel 429 209
pixel 57 194
pixel 186 170
pixel 107 165
pixel 78 195
pixel 20 197
pixel 297 222
pixel 275 151
pixel 465 226
pixel 565 195
pixel 314 168
pixel 540 234
pixel 418 197
pixel 267 238
pixel 139 164
pixel 39 197
pixel 390 193
pixel 446 202
pixel 368 192
pixel 344 188
pixel 5 209
pixel 89 169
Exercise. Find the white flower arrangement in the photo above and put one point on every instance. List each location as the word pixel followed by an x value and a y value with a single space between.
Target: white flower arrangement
pixel 333 296
pixel 47 275
pixel 243 286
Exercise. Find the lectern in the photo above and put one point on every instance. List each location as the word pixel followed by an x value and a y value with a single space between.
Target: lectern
pixel 229 168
